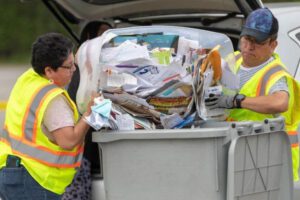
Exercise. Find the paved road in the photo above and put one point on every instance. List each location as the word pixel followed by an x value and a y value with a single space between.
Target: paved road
pixel 8 77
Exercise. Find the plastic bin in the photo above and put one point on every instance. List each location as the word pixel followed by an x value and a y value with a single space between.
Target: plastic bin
pixel 259 167
pixel 240 161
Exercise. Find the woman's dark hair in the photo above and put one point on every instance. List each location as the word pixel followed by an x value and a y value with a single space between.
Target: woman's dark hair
pixel 91 29
pixel 50 50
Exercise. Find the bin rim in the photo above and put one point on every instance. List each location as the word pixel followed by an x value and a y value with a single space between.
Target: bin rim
pixel 196 133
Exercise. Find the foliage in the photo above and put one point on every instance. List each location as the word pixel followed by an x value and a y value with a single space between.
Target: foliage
pixel 21 23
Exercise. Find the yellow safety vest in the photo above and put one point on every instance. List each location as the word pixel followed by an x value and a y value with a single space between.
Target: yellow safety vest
pixel 50 165
pixel 259 85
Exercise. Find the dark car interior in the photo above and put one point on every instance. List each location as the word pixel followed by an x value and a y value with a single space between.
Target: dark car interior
pixel 190 18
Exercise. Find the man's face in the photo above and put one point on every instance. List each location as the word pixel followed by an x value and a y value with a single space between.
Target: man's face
pixel 255 53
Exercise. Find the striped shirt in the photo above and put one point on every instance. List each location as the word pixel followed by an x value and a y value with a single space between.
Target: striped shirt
pixel 246 73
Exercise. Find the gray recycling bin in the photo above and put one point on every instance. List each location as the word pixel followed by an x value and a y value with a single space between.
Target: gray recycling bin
pixel 259 167
pixel 224 161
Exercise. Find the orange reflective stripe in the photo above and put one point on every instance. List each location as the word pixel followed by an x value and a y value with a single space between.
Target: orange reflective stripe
pixel 35 124
pixel 77 164
pixel 270 79
pixel 79 149
pixel 258 88
pixel 295 145
pixel 293 137
pixel 28 109
pixel 292 132
pixel 262 85
pixel 4 141
pixel 230 119
pixel 46 157
pixel 31 119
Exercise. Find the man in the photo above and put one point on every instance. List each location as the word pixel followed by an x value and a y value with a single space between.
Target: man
pixel 42 141
pixel 267 90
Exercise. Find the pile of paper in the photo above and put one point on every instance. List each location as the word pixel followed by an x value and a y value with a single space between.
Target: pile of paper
pixel 150 81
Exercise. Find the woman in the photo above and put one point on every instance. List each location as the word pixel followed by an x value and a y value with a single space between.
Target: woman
pixel 42 142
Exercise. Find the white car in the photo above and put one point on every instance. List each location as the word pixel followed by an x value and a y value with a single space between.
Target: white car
pixel 289 35
pixel 215 15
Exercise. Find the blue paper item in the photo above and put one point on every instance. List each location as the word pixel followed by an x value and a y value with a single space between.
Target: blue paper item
pixel 155 40
pixel 122 38
pixel 159 41
pixel 103 108
pixel 187 121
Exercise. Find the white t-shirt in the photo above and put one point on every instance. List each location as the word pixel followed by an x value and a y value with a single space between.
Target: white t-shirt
pixel 246 73
pixel 58 114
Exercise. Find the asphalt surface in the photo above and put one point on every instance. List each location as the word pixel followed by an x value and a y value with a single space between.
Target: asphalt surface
pixel 8 76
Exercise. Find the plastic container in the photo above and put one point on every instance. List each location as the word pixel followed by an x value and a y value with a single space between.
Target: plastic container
pixel 91 50
pixel 240 161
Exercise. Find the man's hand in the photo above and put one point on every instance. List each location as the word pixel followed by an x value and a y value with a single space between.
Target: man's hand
pixel 220 101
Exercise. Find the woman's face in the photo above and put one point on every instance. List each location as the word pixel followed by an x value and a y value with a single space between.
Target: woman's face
pixel 63 75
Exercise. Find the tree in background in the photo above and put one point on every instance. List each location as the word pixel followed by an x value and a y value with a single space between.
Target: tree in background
pixel 21 23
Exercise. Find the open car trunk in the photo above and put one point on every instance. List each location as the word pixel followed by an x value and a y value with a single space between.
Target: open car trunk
pixel 225 16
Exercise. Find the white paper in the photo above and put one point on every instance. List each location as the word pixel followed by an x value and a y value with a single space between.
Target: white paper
pixel 144 122
pixel 126 51
pixel 229 79
pixel 125 122
pixel 207 78
pixel 185 44
pixel 170 121
pixel 216 90
pixel 204 112
pixel 115 79
pixel 97 121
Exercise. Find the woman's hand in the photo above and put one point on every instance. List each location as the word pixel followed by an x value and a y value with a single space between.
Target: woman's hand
pixel 91 103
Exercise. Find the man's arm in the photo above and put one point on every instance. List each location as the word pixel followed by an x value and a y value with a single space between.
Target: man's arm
pixel 274 103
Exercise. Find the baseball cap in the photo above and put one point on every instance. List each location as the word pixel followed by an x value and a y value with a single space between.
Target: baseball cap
pixel 260 24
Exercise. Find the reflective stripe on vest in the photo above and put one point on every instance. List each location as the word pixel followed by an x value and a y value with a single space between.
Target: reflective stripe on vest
pixel 238 56
pixel 29 128
pixel 294 140
pixel 296 134
pixel 261 90
pixel 55 159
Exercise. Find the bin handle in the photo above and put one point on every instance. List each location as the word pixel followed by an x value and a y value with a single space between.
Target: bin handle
pixel 274 124
pixel 243 128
